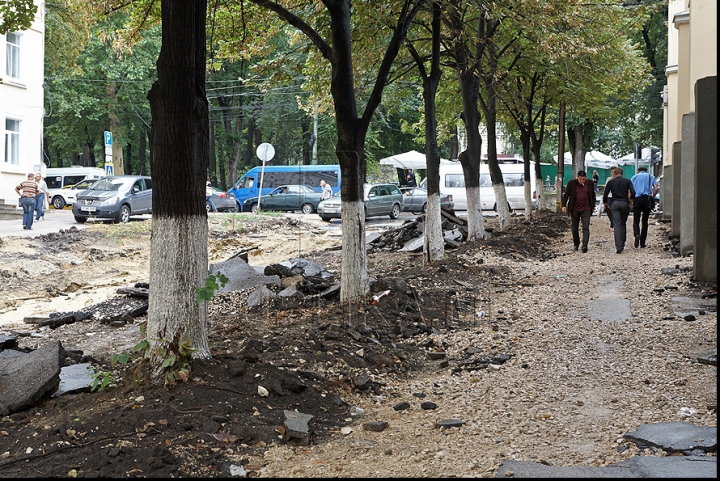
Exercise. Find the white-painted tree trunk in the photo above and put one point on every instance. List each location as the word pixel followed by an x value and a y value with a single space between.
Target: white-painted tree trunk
pixel 501 204
pixel 178 249
pixel 434 246
pixel 354 279
pixel 476 228
pixel 528 199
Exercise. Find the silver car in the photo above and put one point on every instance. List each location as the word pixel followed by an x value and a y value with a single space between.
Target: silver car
pixel 115 197
pixel 380 199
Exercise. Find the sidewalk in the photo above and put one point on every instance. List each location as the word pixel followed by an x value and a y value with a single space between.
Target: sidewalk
pixel 53 221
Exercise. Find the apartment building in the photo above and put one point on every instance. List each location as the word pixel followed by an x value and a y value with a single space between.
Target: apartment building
pixel 22 57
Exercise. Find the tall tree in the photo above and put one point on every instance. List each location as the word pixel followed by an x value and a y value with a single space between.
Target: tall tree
pixel 351 127
pixel 179 163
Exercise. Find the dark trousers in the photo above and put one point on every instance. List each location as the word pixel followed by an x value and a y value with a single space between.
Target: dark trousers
pixel 641 211
pixel 576 217
pixel 620 212
pixel 609 203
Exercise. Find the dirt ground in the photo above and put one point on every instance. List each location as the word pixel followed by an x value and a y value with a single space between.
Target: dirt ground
pixel 327 360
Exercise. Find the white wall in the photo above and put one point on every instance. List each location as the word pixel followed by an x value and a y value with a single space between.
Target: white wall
pixel 22 99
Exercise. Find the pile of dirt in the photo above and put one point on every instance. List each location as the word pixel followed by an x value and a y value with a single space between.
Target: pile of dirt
pixel 313 360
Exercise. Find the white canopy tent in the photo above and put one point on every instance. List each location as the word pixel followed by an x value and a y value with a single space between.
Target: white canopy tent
pixel 630 158
pixel 408 160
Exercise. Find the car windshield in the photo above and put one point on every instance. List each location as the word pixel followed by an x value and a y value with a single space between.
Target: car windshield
pixel 111 184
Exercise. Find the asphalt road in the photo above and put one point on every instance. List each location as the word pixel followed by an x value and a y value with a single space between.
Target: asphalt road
pixel 54 221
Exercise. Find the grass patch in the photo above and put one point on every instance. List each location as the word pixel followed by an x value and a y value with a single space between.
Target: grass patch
pixel 118 232
pixel 238 220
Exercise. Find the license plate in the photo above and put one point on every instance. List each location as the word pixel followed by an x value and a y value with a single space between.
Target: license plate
pixel 330 211
pixel 88 209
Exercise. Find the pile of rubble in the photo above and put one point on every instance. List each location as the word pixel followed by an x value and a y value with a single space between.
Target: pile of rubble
pixel 410 236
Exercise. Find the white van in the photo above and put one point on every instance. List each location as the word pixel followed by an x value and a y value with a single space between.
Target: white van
pixel 60 179
pixel 452 181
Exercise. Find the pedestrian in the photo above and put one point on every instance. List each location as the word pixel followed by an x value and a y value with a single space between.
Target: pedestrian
pixel 208 195
pixel 623 194
pixel 645 186
pixel 595 179
pixel 609 199
pixel 42 197
pixel 326 190
pixel 578 200
pixel 27 190
pixel 547 182
pixel 411 178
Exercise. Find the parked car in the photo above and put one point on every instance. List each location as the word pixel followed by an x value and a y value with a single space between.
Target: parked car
pixel 380 199
pixel 415 200
pixel 224 201
pixel 115 197
pixel 286 198
pixel 66 195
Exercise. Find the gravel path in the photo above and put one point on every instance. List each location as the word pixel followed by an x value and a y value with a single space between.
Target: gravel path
pixel 596 350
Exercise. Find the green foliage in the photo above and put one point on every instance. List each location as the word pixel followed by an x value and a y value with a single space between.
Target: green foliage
pixel 205 294
pixel 16 15
pixel 101 380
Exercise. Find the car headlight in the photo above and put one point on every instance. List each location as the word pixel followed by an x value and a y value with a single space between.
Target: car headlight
pixel 109 201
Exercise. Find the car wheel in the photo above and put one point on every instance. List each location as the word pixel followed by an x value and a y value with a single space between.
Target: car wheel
pixel 124 214
pixel 58 202
pixel 365 210
pixel 80 220
pixel 232 209
pixel 495 208
pixel 207 207
pixel 424 208
pixel 395 212
pixel 254 208
pixel 307 208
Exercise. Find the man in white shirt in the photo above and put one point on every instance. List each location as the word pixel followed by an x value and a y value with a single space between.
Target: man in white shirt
pixel 42 197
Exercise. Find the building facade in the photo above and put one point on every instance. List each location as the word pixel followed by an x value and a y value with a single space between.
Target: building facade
pixel 22 58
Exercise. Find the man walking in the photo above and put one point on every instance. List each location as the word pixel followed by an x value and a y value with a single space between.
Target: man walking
pixel 645 186
pixel 41 197
pixel 623 194
pixel 579 201
pixel 27 190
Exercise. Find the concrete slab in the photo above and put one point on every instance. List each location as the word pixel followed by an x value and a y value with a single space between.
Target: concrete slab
pixel 74 379
pixel 675 436
pixel 26 379
pixel 241 275
pixel 635 467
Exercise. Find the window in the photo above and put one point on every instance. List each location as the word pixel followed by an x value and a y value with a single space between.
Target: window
pixel 12 141
pixel 12 55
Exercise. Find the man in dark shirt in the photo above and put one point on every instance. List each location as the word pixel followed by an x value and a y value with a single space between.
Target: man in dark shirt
pixel 623 194
pixel 579 201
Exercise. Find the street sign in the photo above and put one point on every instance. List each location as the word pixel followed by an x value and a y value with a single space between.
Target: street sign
pixel 109 168
pixel 108 150
pixel 108 138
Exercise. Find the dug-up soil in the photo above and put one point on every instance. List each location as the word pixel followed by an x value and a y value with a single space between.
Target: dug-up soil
pixel 511 348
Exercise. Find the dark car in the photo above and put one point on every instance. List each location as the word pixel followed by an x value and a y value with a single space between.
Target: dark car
pixel 286 198
pixel 224 201
pixel 380 199
pixel 115 197
pixel 415 200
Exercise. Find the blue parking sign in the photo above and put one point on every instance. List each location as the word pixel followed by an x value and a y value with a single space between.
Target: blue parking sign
pixel 108 138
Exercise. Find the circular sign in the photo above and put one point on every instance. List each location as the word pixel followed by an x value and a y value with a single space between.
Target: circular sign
pixel 265 151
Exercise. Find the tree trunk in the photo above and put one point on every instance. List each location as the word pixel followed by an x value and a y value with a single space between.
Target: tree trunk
pixel 561 158
pixel 470 158
pixel 179 160
pixel 434 243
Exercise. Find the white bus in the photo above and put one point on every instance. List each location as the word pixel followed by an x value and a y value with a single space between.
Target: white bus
pixel 452 181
